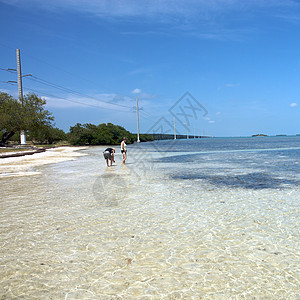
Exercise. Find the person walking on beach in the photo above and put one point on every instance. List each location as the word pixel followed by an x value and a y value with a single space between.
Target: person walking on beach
pixel 124 149
pixel 109 154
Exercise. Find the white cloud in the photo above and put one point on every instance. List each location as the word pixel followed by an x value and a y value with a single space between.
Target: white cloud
pixel 136 91
pixel 294 104
pixel 99 101
pixel 208 119
pixel 140 71
pixel 143 95
pixel 149 8
pixel 230 85
pixel 129 8
pixel 13 93
pixel 180 15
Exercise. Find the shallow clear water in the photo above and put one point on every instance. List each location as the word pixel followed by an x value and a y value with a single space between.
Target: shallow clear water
pixel 185 219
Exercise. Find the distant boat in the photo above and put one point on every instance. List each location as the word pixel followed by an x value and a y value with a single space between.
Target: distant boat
pixel 281 135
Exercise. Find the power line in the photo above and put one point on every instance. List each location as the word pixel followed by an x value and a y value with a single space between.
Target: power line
pixel 69 100
pixel 51 65
pixel 44 62
pixel 9 70
pixel 11 83
pixel 65 89
pixel 78 102
pixel 62 88
pixel 58 97
pixel 145 116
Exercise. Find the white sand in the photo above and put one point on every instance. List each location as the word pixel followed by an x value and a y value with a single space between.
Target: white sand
pixel 22 165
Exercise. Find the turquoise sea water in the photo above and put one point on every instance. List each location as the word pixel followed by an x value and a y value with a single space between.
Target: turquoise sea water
pixel 185 219
pixel 253 163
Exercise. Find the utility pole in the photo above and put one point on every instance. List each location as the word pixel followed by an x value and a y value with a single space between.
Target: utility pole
pixel 174 130
pixel 187 130
pixel 20 88
pixel 137 118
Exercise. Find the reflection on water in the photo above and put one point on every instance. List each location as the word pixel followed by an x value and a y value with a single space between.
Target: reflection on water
pixel 221 226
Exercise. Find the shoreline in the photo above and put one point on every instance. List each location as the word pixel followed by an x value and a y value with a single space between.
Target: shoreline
pixel 25 162
pixel 30 150
pixel 22 164
pixel 21 153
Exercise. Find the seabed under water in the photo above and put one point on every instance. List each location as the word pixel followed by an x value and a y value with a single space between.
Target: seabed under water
pixel 148 230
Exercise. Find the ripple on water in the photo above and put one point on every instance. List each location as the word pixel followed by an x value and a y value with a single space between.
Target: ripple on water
pixel 120 233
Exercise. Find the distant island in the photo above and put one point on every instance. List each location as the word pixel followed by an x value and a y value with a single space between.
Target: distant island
pixel 259 134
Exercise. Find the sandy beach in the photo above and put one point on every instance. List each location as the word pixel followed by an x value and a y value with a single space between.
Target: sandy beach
pixel 22 165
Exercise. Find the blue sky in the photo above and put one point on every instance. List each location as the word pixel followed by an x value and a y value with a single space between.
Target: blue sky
pixel 240 60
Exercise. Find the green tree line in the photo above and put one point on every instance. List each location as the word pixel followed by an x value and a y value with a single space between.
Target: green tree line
pixel 38 123
pixel 102 134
